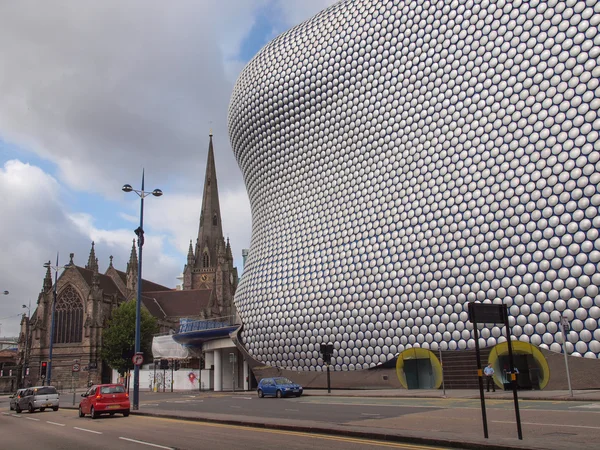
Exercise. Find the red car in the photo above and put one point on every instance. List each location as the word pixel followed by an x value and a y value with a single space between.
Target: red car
pixel 105 399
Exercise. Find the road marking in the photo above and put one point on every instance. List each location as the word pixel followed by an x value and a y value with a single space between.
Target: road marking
pixel 6 414
pixel 181 401
pixel 367 414
pixel 590 406
pixel 16 415
pixel 54 423
pixel 292 410
pixel 32 418
pixel 145 443
pixel 550 424
pixel 235 407
pixel 150 404
pixel 89 431
pixel 245 398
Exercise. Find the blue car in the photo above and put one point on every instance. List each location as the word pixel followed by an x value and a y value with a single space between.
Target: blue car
pixel 278 387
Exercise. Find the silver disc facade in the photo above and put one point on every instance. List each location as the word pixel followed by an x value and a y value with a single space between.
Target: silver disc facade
pixel 403 158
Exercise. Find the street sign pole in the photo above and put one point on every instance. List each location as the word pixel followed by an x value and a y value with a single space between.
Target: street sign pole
pixel 513 375
pixel 565 327
pixel 479 375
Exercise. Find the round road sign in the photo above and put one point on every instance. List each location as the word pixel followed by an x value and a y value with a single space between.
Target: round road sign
pixel 137 359
pixel 76 367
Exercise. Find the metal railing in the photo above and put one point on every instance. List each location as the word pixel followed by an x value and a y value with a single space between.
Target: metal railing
pixel 188 324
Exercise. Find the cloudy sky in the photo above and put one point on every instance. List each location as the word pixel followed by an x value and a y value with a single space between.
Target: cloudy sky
pixel 92 92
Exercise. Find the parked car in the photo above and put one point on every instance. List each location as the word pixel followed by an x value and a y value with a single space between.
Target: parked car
pixel 38 397
pixel 105 399
pixel 278 387
pixel 15 398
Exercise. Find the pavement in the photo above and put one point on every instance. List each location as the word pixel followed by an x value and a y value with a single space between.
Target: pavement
pixel 425 428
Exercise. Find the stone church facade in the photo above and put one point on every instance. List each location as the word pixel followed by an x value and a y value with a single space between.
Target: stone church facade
pixel 85 299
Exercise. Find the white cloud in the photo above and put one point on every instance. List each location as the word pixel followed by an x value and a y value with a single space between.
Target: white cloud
pixel 102 89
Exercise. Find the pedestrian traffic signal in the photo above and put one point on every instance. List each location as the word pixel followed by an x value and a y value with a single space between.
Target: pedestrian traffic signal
pixel 43 369
pixel 327 352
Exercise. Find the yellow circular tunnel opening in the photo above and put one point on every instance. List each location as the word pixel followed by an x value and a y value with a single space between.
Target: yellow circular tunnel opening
pixel 419 368
pixel 537 365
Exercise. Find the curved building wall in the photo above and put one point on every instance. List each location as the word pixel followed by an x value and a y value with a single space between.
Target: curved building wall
pixel 403 158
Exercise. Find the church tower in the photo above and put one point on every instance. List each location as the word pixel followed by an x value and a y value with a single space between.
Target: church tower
pixel 210 263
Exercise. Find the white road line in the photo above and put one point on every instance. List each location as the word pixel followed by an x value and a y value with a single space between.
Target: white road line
pixel 150 404
pixel 292 410
pixel 549 424
pixel 16 415
pixel 181 401
pixel 32 418
pixel 245 398
pixel 89 431
pixel 54 423
pixel 235 407
pixel 145 443
pixel 367 414
pixel 590 406
pixel 6 414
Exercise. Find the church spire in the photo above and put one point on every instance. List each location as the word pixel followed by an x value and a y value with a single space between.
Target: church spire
pixel 190 256
pixel 133 261
pixel 48 278
pixel 210 231
pixel 92 260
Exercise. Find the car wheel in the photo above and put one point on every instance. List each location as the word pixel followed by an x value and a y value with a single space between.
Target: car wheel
pixel 260 393
pixel 111 414
pixel 279 394
pixel 10 408
pixel 42 409
pixel 55 408
pixel 31 408
pixel 298 395
pixel 81 414
pixel 125 413
pixel 93 413
pixel 18 409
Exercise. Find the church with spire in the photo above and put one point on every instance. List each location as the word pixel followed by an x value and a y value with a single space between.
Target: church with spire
pixel 86 298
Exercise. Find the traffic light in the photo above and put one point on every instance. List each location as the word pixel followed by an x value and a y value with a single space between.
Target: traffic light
pixel 43 369
pixel 164 364
pixel 327 351
pixel 176 364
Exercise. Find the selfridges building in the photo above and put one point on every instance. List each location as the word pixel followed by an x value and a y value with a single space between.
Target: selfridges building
pixel 404 158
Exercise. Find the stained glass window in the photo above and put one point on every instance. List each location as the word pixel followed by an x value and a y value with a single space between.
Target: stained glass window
pixel 69 317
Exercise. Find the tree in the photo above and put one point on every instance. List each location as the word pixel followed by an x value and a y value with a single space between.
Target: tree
pixel 118 340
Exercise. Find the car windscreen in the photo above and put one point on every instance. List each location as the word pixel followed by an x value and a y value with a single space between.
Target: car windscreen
pixel 283 381
pixel 46 390
pixel 112 390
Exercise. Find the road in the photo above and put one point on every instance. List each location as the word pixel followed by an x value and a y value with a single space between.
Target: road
pixel 546 424
pixel 65 430
pixel 553 424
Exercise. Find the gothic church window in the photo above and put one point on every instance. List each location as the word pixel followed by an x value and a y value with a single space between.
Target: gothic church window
pixel 69 317
pixel 215 220
pixel 205 259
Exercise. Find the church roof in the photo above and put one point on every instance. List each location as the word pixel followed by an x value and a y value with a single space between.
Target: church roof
pixel 177 303
pixel 106 282
pixel 147 286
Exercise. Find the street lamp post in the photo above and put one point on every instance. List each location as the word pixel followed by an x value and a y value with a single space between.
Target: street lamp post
pixel 140 234
pixel 56 268
pixel 26 352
